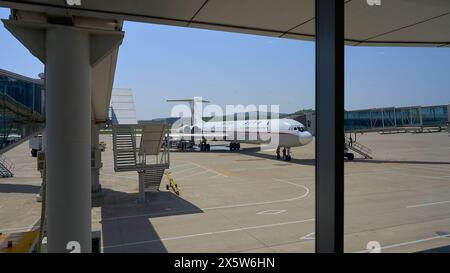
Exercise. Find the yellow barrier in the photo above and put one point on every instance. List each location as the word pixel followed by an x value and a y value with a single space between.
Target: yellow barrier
pixel 20 242
pixel 172 184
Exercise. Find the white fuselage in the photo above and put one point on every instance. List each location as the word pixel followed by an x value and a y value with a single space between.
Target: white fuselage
pixel 283 132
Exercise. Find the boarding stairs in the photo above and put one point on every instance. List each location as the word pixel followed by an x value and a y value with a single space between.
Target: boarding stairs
pixel 152 178
pixel 124 143
pixel 150 159
pixel 358 148
pixel 6 167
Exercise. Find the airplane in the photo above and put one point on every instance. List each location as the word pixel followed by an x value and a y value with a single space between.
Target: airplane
pixel 286 133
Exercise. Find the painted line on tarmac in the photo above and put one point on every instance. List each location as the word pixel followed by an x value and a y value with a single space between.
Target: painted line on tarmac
pixel 309 236
pixel 194 174
pixel 184 170
pixel 217 207
pixel 118 176
pixel 271 212
pixel 408 243
pixel 180 165
pixel 20 229
pixel 409 174
pixel 267 202
pixel 212 170
pixel 427 204
pixel 208 233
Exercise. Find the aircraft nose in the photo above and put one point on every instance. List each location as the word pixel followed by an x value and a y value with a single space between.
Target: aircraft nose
pixel 305 138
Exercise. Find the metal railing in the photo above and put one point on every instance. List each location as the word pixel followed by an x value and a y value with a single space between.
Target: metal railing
pixel 6 167
pixel 358 147
pixel 142 161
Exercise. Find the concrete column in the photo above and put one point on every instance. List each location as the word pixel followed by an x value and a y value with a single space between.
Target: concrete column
pixel 95 171
pixel 69 53
pixel 68 132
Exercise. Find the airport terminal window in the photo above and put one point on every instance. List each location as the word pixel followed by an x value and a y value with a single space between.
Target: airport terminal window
pixel 397 161
pixel 434 114
pixel 26 93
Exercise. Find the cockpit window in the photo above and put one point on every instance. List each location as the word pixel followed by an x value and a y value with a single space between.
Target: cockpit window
pixel 297 128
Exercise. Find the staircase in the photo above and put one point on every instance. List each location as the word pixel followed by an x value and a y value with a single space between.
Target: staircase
pixel 124 144
pixel 6 125
pixel 359 148
pixel 6 167
pixel 150 159
pixel 153 177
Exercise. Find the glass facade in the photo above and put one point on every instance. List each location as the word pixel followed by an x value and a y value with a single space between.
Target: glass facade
pixel 434 114
pixel 396 117
pixel 22 93
pixel 27 93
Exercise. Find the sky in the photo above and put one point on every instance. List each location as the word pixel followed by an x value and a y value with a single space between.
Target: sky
pixel 164 62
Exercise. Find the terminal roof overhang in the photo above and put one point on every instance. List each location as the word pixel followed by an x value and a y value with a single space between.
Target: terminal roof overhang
pixel 421 23
pixel 393 23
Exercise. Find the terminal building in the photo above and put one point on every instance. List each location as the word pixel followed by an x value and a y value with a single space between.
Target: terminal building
pixel 387 119
pixel 397 118
pixel 22 106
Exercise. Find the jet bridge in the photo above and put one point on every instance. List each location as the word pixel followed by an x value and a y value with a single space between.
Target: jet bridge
pixel 397 119
pixel 388 120
pixel 149 159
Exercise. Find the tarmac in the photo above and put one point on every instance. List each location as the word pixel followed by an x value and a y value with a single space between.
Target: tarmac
pixel 248 201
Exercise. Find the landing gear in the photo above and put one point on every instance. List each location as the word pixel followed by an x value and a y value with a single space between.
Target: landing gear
pixel 286 154
pixel 183 145
pixel 205 147
pixel 235 146
pixel 349 156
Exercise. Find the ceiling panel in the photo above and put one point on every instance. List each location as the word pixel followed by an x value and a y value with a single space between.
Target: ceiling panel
pixel 298 37
pixel 280 15
pixel 402 21
pixel 174 9
pixel 50 6
pixel 308 28
pixel 50 2
pixel 364 22
pixel 403 44
pixel 234 29
pixel 430 31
